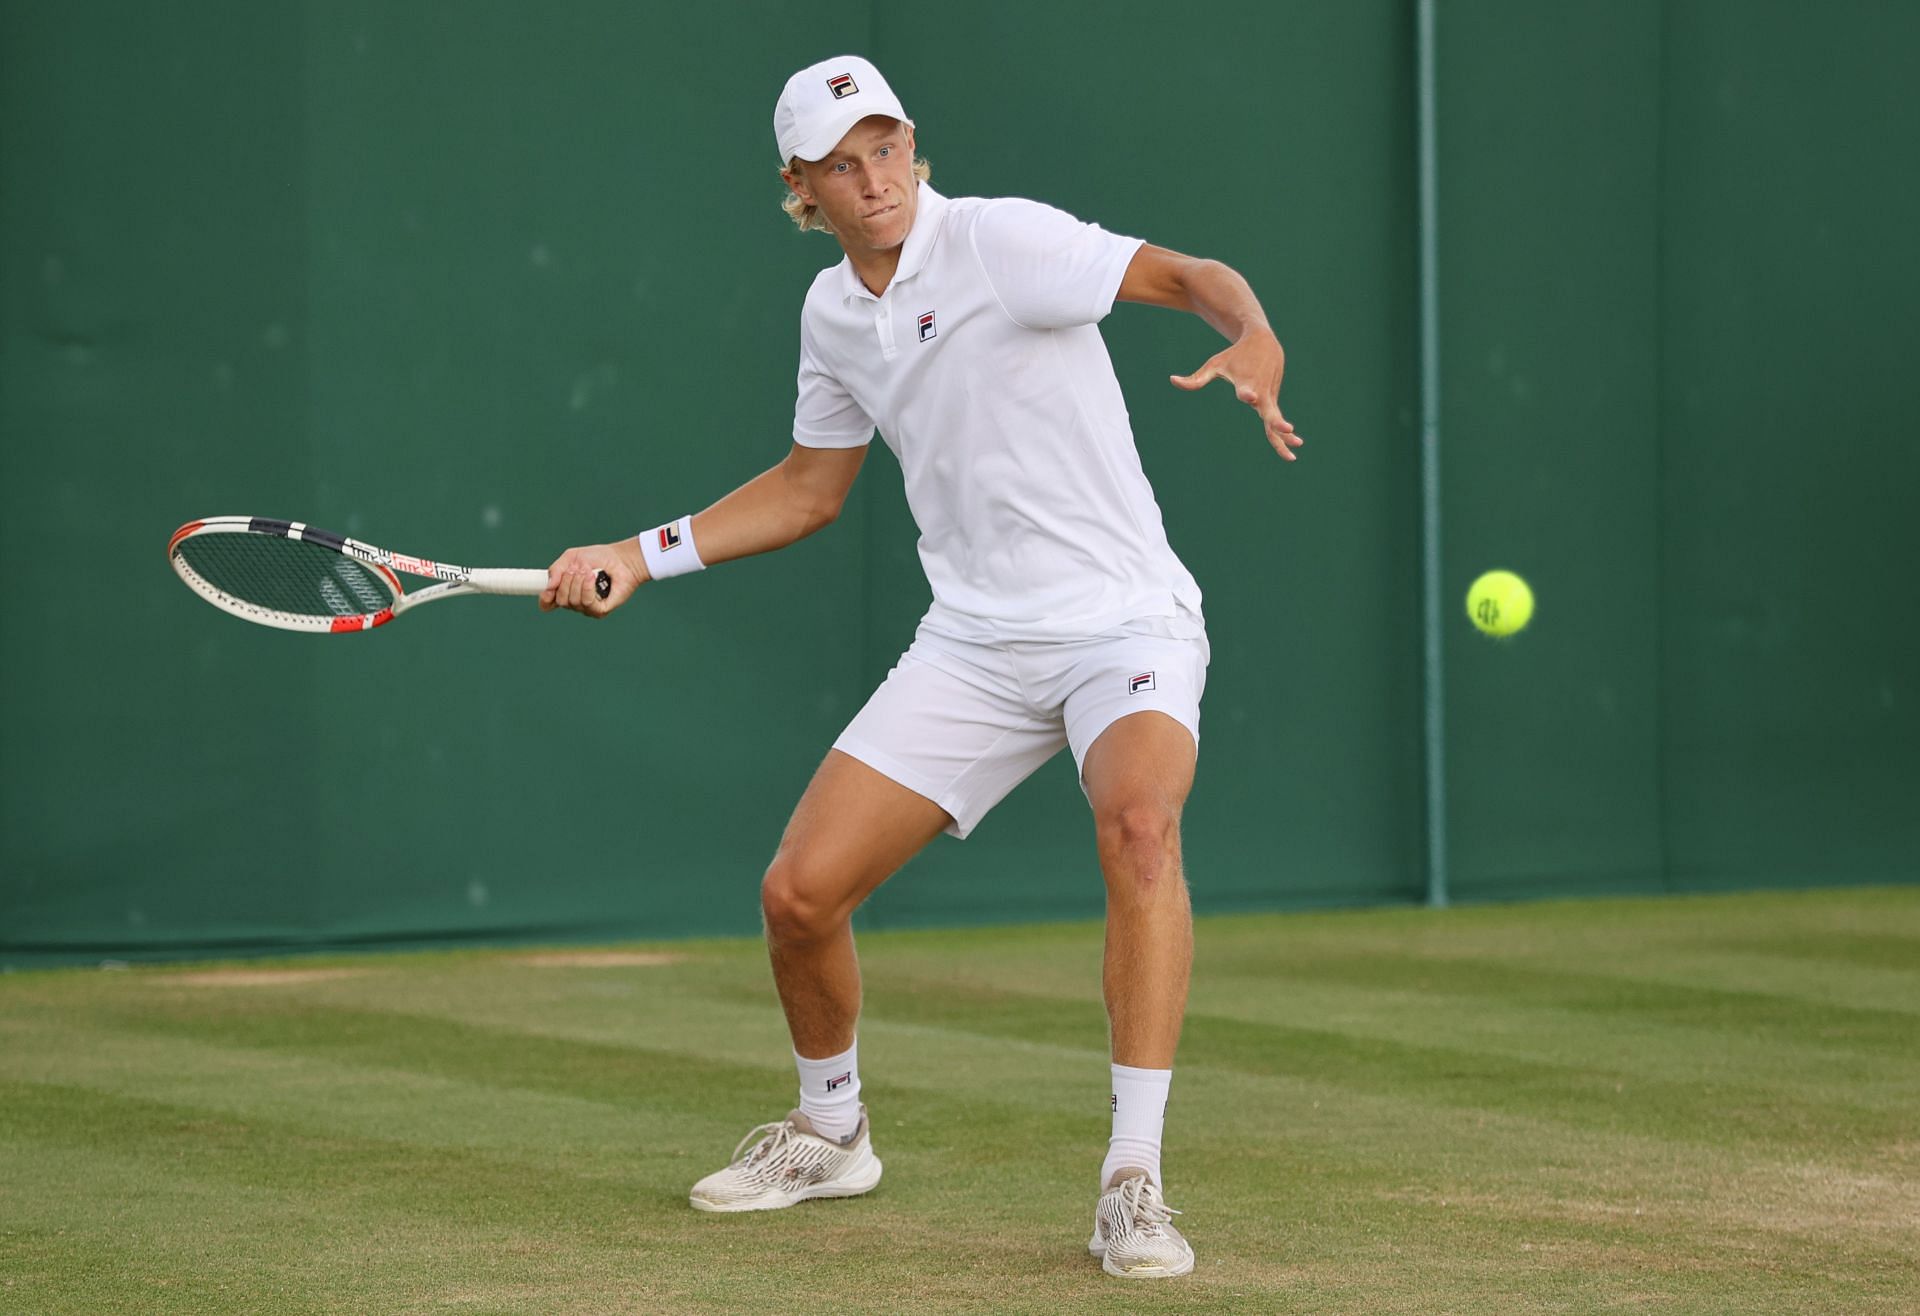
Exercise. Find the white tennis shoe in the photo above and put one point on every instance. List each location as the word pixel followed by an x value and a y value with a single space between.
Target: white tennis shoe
pixel 1133 1233
pixel 787 1163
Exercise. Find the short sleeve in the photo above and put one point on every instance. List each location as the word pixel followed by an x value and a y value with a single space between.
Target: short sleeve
pixel 824 413
pixel 1048 269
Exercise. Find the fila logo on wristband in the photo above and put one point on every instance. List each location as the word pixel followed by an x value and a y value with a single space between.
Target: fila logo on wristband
pixel 1144 681
pixel 657 545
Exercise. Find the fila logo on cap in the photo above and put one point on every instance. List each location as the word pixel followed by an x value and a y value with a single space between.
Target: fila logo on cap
pixel 669 537
pixel 926 327
pixel 1144 681
pixel 842 86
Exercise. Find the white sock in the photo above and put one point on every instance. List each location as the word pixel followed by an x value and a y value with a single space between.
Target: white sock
pixel 830 1092
pixel 1139 1111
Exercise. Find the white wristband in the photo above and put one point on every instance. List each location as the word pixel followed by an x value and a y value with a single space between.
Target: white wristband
pixel 669 550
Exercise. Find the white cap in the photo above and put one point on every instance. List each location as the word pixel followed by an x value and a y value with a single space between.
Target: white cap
pixel 822 101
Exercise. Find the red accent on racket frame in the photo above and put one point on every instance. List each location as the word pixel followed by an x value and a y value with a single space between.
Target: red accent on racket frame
pixel 182 533
pixel 364 622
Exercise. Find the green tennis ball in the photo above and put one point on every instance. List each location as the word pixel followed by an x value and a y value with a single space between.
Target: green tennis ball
pixel 1500 603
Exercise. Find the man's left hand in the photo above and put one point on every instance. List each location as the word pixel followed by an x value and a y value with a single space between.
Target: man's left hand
pixel 1253 366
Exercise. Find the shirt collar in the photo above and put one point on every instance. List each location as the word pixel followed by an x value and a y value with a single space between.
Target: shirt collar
pixel 929 209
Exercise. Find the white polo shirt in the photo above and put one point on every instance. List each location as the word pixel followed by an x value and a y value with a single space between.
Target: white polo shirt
pixel 984 371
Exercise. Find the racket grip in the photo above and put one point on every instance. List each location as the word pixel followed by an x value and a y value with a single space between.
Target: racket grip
pixel 506 580
pixel 518 581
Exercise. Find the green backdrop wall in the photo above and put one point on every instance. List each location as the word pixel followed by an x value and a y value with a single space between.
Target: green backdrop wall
pixel 1680 289
pixel 483 280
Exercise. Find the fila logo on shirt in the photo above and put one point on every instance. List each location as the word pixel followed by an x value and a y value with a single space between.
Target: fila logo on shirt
pixel 1144 681
pixel 669 537
pixel 834 1084
pixel 842 86
pixel 926 327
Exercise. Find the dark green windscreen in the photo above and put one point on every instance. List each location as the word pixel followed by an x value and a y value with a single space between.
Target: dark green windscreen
pixel 1679 294
pixel 1550 225
pixel 483 281
pixel 1790 510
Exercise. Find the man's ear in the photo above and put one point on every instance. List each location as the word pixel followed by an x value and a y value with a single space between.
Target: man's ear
pixel 797 185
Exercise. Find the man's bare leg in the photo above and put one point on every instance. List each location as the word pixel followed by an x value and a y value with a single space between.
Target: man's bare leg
pixel 1137 776
pixel 851 831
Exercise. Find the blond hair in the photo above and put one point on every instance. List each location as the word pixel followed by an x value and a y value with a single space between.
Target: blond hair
pixel 807 218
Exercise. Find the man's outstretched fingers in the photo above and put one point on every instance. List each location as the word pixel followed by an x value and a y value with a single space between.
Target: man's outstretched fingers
pixel 1200 378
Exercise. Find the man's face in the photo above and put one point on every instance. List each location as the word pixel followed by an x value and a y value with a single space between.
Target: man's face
pixel 865 185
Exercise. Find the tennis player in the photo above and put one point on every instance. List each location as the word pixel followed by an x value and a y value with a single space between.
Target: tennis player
pixel 966 331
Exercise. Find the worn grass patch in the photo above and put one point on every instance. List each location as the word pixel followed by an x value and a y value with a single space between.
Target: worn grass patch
pixel 1694 1105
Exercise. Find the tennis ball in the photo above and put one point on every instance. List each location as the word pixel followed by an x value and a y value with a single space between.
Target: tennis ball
pixel 1500 603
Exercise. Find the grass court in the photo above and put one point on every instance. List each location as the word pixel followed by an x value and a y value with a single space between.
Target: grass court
pixel 1703 1104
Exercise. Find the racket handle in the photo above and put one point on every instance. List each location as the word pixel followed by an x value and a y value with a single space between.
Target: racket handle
pixel 514 580
pixel 506 580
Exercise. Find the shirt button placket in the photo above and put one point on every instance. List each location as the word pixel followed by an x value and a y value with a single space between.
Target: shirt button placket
pixel 883 326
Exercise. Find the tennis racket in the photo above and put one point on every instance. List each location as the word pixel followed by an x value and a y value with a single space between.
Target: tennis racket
pixel 301 578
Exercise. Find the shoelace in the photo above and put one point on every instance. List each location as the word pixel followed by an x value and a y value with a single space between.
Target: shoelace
pixel 773 1137
pixel 778 1155
pixel 1142 1204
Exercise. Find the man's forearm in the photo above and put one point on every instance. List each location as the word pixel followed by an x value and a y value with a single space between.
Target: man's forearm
pixel 776 508
pixel 760 516
pixel 1217 294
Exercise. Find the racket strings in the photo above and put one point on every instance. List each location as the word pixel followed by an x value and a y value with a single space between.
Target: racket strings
pixel 286 575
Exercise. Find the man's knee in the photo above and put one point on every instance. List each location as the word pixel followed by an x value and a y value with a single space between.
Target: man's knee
pixel 1139 841
pixel 794 902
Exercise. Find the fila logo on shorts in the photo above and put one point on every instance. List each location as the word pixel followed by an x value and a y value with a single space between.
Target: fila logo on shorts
pixel 926 327
pixel 842 1081
pixel 669 537
pixel 841 86
pixel 1144 681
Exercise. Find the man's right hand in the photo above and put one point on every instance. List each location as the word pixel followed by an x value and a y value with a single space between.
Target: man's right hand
pixel 570 580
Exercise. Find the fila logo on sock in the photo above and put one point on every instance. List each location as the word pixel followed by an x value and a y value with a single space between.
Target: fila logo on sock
pixel 841 86
pixel 1116 1103
pixel 1144 681
pixel 669 537
pixel 834 1084
pixel 926 327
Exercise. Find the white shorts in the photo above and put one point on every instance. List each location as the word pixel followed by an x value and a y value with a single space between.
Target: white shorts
pixel 963 724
